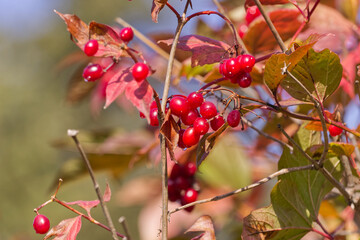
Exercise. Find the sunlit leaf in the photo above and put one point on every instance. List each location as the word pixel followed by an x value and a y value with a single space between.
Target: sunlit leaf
pixel 336 149
pixel 66 230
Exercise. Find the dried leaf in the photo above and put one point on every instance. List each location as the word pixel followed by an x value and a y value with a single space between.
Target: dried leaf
pixel 170 130
pixel 77 28
pixel 66 230
pixel 156 8
pixel 203 224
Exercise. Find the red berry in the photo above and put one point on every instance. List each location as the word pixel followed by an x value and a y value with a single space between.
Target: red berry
pixel 182 183
pixel 174 193
pixel 334 130
pixel 153 105
pixel 243 28
pixel 195 100
pixel 142 115
pixel 154 121
pixel 233 118
pixel 201 126
pixel 245 80
pixel 189 197
pixel 189 118
pixel 41 224
pixel 233 67
pixel 176 171
pixel 180 142
pixel 252 13
pixel 91 47
pixel 208 110
pixel 222 68
pixel 190 137
pixel 92 72
pixel 126 34
pixel 247 62
pixel 190 169
pixel 179 106
pixel 217 122
pixel 140 71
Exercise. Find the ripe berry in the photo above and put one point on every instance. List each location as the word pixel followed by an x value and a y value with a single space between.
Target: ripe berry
pixel 243 28
pixel 41 224
pixel 190 169
pixel 182 183
pixel 176 171
pixel 233 67
pixel 195 100
pixel 190 137
pixel 179 106
pixel 217 122
pixel 153 105
pixel 233 118
pixel 208 110
pixel 91 47
pixel 92 72
pixel 126 34
pixel 140 71
pixel 201 126
pixel 245 80
pixel 222 67
pixel 334 130
pixel 252 13
pixel 247 62
pixel 174 193
pixel 142 115
pixel 154 121
pixel 189 197
pixel 189 118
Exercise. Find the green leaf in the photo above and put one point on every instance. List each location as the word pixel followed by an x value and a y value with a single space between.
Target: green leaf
pixel 319 72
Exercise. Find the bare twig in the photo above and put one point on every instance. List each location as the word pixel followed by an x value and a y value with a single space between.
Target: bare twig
pixel 73 135
pixel 251 186
pixel 122 221
pixel 349 178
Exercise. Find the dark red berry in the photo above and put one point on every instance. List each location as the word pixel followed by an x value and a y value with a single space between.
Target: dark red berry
pixel 208 110
pixel 154 121
pixel 233 67
pixel 41 224
pixel 252 13
pixel 92 72
pixel 217 122
pixel 247 62
pixel 190 137
pixel 195 100
pixel 140 71
pixel 142 115
pixel 222 68
pixel 179 106
pixel 189 118
pixel 189 197
pixel 201 126
pixel 182 183
pixel 190 169
pixel 126 34
pixel 233 118
pixel 243 28
pixel 91 47
pixel 153 105
pixel 174 193
pixel 334 130
pixel 180 142
pixel 176 171
pixel 245 80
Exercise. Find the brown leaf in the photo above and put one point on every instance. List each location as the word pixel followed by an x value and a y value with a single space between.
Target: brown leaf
pixel 203 224
pixel 170 130
pixel 66 230
pixel 156 8
pixel 77 28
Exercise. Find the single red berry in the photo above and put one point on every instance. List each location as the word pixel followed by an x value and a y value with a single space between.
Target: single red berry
pixel 201 126
pixel 179 106
pixel 91 47
pixel 41 224
pixel 334 130
pixel 233 67
pixel 252 13
pixel 233 118
pixel 234 80
pixel 182 183
pixel 174 193
pixel 243 28
pixel 217 122
pixel 190 196
pixel 189 118
pixel 247 62
pixel 208 110
pixel 190 169
pixel 92 72
pixel 142 115
pixel 195 100
pixel 245 80
pixel 140 71
pixel 190 137
pixel 154 121
pixel 176 171
pixel 180 142
pixel 153 105
pixel 126 34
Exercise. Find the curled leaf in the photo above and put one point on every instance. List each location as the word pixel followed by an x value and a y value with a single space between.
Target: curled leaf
pixel 203 224
pixel 66 230
pixel 156 8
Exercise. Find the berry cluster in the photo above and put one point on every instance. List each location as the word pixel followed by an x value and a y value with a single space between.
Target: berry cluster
pixel 238 69
pixel 251 14
pixel 181 184
pixel 41 224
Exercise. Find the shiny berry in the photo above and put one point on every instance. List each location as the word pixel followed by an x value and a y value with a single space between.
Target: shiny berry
pixel 201 126
pixel 208 110
pixel 126 34
pixel 173 191
pixel 176 171
pixel 190 137
pixel 140 71
pixel 233 118
pixel 334 130
pixel 189 197
pixel 247 62
pixel 252 13
pixel 41 224
pixel 233 67
pixel 245 80
pixel 222 67
pixel 91 47
pixel 195 100
pixel 189 118
pixel 153 105
pixel 179 106
pixel 217 122
pixel 190 169
pixel 154 121
pixel 92 72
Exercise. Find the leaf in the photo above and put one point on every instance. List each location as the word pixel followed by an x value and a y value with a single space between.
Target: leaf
pixel 170 130
pixel 77 28
pixel 156 8
pixel 319 72
pixel 203 224
pixel 336 149
pixel 259 37
pixel 204 50
pixel 66 230
pixel 249 3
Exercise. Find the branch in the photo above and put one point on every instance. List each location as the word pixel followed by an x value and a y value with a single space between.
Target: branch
pixel 122 221
pixel 73 135
pixel 251 186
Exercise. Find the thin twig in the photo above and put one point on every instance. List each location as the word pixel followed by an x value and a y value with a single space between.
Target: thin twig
pixel 349 178
pixel 73 135
pixel 251 186
pixel 122 221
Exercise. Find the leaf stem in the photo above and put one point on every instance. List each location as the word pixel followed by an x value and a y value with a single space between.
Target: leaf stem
pixel 122 221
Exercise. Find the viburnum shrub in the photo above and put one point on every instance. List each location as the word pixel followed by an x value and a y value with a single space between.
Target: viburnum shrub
pixel 274 89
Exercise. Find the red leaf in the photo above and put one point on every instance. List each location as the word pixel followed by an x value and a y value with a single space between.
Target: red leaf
pixel 170 130
pixel 249 3
pixel 204 50
pixel 66 230
pixel 203 224
pixel 156 8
